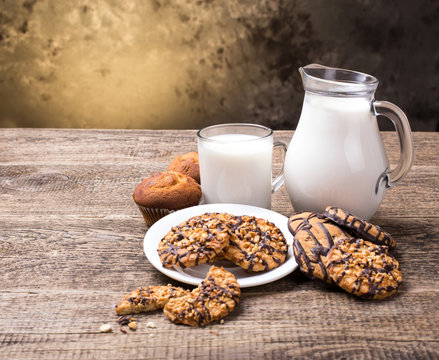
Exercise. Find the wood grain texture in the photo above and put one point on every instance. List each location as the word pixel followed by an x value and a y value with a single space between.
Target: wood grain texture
pixel 71 247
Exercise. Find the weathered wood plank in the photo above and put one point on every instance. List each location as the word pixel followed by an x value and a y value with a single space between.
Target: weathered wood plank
pixel 64 146
pixel 79 190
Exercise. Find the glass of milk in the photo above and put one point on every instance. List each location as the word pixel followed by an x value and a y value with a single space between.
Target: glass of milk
pixel 336 156
pixel 236 162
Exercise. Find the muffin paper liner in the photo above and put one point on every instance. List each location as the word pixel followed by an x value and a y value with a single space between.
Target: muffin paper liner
pixel 151 215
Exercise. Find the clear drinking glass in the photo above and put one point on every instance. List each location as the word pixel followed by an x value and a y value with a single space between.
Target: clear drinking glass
pixel 236 164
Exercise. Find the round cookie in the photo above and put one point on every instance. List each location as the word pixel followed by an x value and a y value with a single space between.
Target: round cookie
pixel 255 244
pixel 195 241
pixel 214 299
pixel 314 235
pixel 360 227
pixel 364 269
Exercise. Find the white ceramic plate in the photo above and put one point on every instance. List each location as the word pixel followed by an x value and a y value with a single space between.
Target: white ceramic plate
pixel 196 274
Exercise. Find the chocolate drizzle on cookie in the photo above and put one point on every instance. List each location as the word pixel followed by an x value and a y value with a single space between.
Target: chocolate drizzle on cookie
pixel 312 228
pixel 209 292
pixel 193 242
pixel 252 243
pixel 140 298
pixel 359 227
pixel 148 298
pixel 324 248
pixel 364 269
pixel 212 300
pixel 255 244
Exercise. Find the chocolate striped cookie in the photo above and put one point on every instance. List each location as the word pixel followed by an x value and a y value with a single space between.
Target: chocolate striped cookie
pixel 359 227
pixel 314 235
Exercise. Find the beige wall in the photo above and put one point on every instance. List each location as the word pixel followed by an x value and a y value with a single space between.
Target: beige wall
pixel 186 64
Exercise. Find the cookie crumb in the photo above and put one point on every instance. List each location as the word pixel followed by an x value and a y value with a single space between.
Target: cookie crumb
pixel 123 330
pixel 222 321
pixel 123 320
pixel 132 325
pixel 150 324
pixel 105 328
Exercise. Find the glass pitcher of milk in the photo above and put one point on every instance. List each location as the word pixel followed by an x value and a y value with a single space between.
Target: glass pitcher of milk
pixel 336 156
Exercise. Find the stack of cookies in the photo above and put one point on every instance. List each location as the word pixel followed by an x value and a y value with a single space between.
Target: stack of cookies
pixel 252 243
pixel 340 248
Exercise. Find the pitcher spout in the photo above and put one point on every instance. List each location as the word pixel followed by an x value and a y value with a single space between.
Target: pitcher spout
pixel 304 71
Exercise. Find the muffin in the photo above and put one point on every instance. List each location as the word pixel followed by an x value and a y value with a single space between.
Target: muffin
pixel 164 192
pixel 187 164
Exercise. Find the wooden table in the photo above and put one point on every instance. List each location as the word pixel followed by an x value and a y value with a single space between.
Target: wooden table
pixel 71 247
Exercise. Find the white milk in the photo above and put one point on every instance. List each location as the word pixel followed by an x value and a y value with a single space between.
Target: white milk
pixel 236 168
pixel 336 156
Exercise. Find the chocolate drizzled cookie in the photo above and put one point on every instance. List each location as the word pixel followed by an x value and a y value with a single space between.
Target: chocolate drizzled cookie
pixel 314 235
pixel 364 269
pixel 214 299
pixel 255 244
pixel 148 298
pixel 195 241
pixel 360 227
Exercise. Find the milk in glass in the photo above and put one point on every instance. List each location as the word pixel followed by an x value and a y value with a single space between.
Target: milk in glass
pixel 236 168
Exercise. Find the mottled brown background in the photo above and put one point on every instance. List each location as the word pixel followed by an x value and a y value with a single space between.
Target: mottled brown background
pixel 187 64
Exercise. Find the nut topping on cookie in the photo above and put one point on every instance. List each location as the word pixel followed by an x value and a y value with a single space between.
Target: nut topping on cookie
pixel 364 269
pixel 195 241
pixel 212 300
pixel 148 298
pixel 255 244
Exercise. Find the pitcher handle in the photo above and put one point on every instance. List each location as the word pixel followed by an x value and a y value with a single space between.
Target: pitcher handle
pixel 278 181
pixel 401 123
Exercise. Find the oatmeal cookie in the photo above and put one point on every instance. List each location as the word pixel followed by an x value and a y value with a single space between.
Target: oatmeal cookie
pixel 148 298
pixel 314 235
pixel 212 300
pixel 195 241
pixel 364 269
pixel 359 227
pixel 255 244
